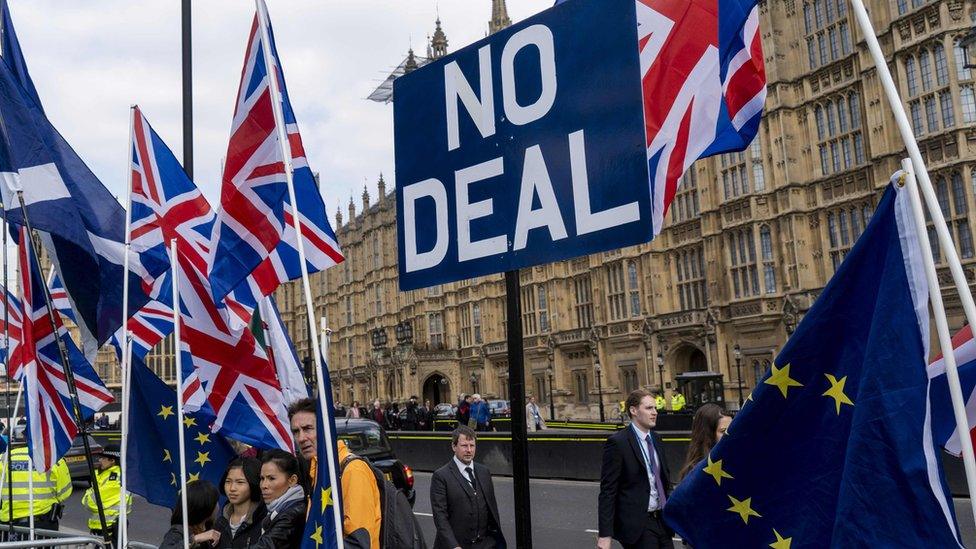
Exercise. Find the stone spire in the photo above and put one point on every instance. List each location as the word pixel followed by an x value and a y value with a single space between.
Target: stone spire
pixel 381 187
pixel 352 210
pixel 438 44
pixel 365 199
pixel 411 64
pixel 338 217
pixel 499 17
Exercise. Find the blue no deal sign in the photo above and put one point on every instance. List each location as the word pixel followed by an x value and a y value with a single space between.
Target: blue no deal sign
pixel 524 148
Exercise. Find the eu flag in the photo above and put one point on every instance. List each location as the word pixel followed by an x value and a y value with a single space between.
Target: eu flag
pixel 831 449
pixel 320 526
pixel 153 453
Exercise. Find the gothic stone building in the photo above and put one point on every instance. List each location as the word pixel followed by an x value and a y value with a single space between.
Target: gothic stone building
pixel 750 241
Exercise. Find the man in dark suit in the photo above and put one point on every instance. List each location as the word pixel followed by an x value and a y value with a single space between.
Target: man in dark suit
pixel 634 481
pixel 462 498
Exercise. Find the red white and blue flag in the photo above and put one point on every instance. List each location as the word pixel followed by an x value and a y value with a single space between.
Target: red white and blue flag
pixel 51 423
pixel 943 421
pixel 255 231
pixel 222 361
pixel 704 85
pixel 12 314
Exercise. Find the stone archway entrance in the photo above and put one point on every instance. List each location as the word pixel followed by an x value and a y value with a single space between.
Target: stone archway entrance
pixel 437 389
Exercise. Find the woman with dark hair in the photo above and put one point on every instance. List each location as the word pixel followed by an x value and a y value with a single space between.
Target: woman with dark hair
pixel 707 428
pixel 285 498
pixel 201 504
pixel 240 522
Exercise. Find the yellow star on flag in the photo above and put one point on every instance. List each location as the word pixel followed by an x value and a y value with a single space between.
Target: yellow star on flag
pixel 189 421
pixel 202 458
pixel 202 437
pixel 317 535
pixel 715 470
pixel 781 542
pixel 836 391
pixel 326 498
pixel 172 479
pixel 165 411
pixel 781 378
pixel 166 456
pixel 193 476
pixel 743 509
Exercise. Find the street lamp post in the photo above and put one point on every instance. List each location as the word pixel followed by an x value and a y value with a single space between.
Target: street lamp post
pixel 474 382
pixel 595 349
pixel 660 371
pixel 737 352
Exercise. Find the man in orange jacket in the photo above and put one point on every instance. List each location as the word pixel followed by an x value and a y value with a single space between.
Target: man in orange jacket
pixel 360 495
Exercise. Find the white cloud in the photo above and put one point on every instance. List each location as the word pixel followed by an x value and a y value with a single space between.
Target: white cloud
pixel 91 60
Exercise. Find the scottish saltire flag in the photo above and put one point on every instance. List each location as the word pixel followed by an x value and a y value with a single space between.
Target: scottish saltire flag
pixel 10 50
pixel 80 223
pixel 37 360
pixel 704 85
pixel 320 525
pixel 255 231
pixel 153 458
pixel 832 448
pixel 223 363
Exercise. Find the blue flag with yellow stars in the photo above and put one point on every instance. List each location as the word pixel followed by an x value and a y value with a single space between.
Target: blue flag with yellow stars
pixel 152 461
pixel 831 449
pixel 320 525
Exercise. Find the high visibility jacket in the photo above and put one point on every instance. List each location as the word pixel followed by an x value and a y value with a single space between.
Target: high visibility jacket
pixel 50 488
pixel 623 406
pixel 677 402
pixel 110 489
pixel 659 402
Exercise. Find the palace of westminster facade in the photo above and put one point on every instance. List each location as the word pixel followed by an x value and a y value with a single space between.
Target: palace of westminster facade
pixel 750 241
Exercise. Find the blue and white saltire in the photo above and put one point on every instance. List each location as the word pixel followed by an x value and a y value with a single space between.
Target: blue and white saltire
pixel 833 447
pixel 80 223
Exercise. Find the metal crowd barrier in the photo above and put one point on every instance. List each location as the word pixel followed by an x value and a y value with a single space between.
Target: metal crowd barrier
pixel 46 538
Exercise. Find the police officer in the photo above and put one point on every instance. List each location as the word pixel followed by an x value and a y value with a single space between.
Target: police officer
pixel 51 490
pixel 109 481
pixel 659 402
pixel 677 402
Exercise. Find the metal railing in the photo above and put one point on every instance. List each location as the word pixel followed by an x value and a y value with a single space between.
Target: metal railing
pixel 46 538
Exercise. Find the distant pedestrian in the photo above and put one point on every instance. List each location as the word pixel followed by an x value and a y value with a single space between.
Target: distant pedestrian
pixel 634 482
pixel 462 499
pixel 353 411
pixel 377 414
pixel 533 418
pixel 480 414
pixel 707 428
pixel 464 409
pixel 425 416
pixel 410 418
pixel 108 478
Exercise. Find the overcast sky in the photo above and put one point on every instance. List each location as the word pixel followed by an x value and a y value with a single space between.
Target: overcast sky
pixel 91 60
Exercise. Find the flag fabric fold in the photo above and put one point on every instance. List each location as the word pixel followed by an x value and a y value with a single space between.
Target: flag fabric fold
pixel 832 448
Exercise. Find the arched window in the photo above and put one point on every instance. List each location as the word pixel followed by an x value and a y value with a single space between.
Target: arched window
pixel 807 18
pixel 866 211
pixel 960 203
pixel 910 76
pixel 942 193
pixel 854 101
pixel 766 243
pixel 925 67
pixel 941 66
pixel 855 222
pixel 769 267
pixel 831 118
pixel 832 229
pixel 842 116
pixel 819 115
pixel 959 53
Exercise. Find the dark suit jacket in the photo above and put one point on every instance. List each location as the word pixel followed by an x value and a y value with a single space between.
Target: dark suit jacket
pixel 452 503
pixel 624 488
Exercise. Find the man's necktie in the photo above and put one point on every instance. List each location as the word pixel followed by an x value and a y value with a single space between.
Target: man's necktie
pixel 470 473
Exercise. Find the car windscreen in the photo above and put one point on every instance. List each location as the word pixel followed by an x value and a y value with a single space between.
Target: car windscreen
pixel 366 441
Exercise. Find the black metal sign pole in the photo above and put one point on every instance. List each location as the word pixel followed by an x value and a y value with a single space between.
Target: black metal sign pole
pixel 187 92
pixel 6 374
pixel 69 377
pixel 516 393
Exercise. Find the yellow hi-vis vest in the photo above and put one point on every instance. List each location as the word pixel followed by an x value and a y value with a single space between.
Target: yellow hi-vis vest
pixel 677 402
pixel 110 489
pixel 659 402
pixel 50 488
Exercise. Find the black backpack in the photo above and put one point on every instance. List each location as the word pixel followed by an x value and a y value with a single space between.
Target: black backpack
pixel 399 528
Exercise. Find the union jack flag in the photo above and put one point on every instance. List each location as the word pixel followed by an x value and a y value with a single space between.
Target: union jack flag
pixel 255 230
pixel 10 310
pixel 51 423
pixel 222 359
pixel 704 85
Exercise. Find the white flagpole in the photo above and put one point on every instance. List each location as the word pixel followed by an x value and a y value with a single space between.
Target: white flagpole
pixel 126 337
pixel 174 272
pixel 325 429
pixel 941 324
pixel 30 492
pixel 945 240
